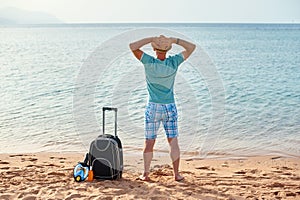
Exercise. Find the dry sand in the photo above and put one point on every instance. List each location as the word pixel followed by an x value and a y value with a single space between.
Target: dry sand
pixel 49 176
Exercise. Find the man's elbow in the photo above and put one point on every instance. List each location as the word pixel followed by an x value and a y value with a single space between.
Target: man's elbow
pixel 189 51
pixel 193 47
pixel 132 47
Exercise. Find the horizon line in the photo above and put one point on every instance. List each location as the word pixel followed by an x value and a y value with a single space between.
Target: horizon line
pixel 147 22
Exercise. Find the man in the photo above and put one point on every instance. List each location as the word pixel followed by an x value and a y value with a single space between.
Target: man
pixel 160 76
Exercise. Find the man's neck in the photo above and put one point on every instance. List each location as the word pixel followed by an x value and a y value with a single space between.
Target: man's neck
pixel 161 56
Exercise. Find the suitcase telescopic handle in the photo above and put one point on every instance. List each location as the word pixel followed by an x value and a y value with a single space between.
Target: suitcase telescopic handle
pixel 110 109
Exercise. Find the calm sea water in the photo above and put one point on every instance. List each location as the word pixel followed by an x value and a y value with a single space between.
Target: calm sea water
pixel 258 65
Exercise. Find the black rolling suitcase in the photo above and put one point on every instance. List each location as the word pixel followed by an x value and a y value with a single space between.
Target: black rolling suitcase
pixel 106 155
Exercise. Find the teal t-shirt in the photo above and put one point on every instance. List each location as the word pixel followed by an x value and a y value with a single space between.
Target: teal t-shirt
pixel 160 77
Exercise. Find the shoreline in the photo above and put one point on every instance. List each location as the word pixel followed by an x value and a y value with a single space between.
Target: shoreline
pixel 137 151
pixel 48 175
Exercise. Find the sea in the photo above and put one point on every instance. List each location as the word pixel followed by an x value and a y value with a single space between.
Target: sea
pixel 238 95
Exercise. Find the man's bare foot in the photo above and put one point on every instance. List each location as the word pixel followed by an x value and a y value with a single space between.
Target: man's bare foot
pixel 179 178
pixel 144 177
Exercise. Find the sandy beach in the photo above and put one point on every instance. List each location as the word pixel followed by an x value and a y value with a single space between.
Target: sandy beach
pixel 49 176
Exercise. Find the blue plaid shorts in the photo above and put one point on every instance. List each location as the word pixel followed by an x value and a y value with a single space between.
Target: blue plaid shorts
pixel 155 114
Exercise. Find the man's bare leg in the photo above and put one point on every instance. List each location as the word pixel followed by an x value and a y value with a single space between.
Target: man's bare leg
pixel 175 156
pixel 148 155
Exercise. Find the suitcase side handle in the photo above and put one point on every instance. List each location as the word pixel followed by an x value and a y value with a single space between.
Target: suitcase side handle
pixel 110 109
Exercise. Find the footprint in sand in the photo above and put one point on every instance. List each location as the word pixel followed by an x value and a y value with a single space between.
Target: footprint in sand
pixel 56 174
pixel 73 196
pixel 59 158
pixel 187 172
pixel 211 174
pixel 36 166
pixel 276 184
pixel 241 173
pixel 17 155
pixel 29 159
pixel 297 178
pixel 32 159
pixel 4 168
pixel 203 168
pixel 286 168
pixel 52 165
pixel 31 197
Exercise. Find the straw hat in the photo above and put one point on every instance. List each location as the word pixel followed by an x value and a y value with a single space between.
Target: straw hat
pixel 161 43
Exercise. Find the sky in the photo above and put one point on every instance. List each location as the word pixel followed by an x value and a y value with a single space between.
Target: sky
pixel 98 11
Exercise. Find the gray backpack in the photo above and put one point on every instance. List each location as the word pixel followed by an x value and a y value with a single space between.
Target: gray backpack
pixel 106 155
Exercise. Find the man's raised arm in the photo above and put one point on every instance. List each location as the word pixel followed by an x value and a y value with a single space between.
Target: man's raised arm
pixel 188 46
pixel 135 46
